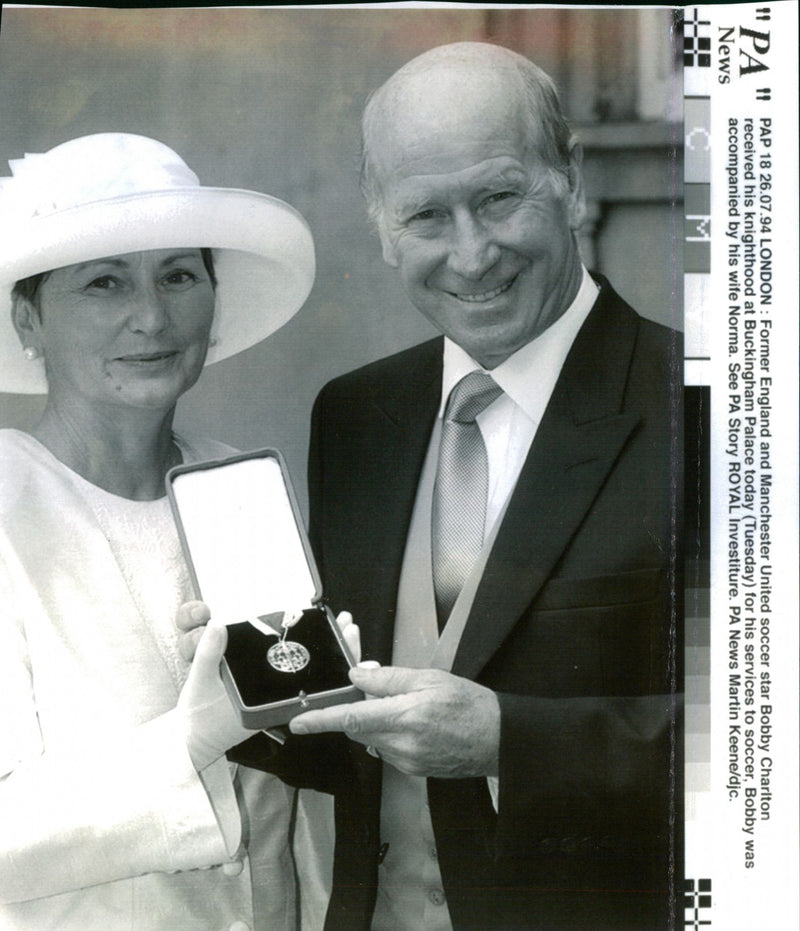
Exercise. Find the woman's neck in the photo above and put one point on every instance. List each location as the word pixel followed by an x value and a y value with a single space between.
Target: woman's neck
pixel 126 452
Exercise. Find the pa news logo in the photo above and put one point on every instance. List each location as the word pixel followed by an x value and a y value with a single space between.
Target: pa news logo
pixel 742 51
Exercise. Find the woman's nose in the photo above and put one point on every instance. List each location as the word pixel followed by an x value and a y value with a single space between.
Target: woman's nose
pixel 149 311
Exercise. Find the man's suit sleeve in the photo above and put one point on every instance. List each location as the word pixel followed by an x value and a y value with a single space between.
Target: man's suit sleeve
pixel 584 771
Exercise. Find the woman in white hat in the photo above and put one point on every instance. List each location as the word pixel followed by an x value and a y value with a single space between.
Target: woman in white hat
pixel 120 277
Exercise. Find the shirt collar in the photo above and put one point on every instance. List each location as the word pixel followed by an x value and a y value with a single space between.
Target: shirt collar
pixel 529 375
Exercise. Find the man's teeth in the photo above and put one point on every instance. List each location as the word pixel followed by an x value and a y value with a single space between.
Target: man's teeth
pixel 485 296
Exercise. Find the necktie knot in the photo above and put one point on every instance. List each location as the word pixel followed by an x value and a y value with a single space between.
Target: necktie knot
pixel 473 394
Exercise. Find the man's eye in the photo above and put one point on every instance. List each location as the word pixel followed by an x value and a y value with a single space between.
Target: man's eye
pixel 498 197
pixel 430 213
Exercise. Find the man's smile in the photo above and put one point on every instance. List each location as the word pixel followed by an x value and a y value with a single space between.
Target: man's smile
pixel 484 296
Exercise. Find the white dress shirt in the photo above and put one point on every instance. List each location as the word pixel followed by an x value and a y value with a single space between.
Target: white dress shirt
pixel 527 378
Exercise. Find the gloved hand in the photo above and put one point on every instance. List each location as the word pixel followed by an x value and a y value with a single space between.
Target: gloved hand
pixel 211 725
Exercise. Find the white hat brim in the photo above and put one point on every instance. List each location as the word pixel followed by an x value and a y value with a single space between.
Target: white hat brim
pixel 263 260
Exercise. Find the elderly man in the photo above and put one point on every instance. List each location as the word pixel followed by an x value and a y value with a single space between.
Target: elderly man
pixel 498 509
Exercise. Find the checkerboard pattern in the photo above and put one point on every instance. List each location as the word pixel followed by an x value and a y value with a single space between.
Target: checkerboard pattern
pixel 697 903
pixel 696 40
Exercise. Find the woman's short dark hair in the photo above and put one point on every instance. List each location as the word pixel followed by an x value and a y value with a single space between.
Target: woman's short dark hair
pixel 208 261
pixel 29 288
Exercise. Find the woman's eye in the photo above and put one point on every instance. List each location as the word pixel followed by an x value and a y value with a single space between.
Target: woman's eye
pixel 103 283
pixel 180 278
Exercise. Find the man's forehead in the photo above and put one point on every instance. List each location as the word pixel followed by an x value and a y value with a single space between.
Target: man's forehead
pixel 432 122
pixel 449 93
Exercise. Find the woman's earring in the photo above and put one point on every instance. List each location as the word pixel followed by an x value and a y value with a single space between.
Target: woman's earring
pixel 212 342
pixel 31 353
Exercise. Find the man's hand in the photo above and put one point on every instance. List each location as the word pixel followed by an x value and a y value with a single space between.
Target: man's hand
pixel 425 722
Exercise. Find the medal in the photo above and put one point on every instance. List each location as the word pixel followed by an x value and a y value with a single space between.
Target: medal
pixel 285 655
pixel 288 656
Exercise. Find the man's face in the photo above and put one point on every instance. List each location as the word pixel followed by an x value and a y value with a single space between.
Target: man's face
pixel 474 221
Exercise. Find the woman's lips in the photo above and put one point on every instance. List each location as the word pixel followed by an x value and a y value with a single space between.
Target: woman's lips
pixel 147 358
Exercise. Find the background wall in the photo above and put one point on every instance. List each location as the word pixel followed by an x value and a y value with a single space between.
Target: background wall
pixel 271 100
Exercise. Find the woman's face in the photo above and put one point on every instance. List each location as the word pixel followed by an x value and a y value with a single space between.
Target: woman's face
pixel 128 330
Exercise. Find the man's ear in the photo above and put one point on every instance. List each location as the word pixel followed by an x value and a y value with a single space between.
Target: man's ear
pixel 27 322
pixel 576 199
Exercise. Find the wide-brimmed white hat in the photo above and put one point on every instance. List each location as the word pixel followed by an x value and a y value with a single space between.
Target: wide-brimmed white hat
pixel 114 193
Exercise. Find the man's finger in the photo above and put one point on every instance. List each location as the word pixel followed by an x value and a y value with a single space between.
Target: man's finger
pixel 385 681
pixel 362 720
pixel 356 719
pixel 320 721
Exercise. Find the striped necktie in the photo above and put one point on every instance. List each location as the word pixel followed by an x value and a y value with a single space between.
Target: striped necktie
pixel 460 491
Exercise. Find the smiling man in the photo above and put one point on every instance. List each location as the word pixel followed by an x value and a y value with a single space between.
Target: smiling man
pixel 471 207
pixel 498 509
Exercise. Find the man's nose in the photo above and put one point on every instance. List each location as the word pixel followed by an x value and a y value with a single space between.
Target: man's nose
pixel 149 310
pixel 473 250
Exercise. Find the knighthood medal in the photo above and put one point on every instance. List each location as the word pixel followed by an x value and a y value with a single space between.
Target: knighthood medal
pixel 285 655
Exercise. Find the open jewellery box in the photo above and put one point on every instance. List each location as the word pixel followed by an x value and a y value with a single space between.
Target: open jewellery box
pixel 251 562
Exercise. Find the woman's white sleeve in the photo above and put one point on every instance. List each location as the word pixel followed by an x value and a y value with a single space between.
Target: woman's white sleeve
pixel 129 804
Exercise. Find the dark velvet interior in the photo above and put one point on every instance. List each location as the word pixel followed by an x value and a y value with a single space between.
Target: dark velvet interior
pixel 260 684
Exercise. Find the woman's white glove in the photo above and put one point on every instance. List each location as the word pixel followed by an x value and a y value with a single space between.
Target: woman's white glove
pixel 211 725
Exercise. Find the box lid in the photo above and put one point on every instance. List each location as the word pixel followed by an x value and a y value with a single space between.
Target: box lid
pixel 243 536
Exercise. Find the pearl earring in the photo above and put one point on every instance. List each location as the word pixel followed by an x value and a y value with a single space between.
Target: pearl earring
pixel 31 353
pixel 212 342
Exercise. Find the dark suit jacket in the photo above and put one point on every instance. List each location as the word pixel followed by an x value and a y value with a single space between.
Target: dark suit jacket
pixel 574 625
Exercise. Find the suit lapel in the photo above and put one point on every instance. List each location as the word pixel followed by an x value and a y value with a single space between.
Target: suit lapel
pixel 582 432
pixel 403 418
pixel 395 442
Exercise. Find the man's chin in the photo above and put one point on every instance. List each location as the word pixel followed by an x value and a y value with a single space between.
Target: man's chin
pixel 487 353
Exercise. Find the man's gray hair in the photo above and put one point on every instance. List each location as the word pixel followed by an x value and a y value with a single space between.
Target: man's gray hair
pixel 543 109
